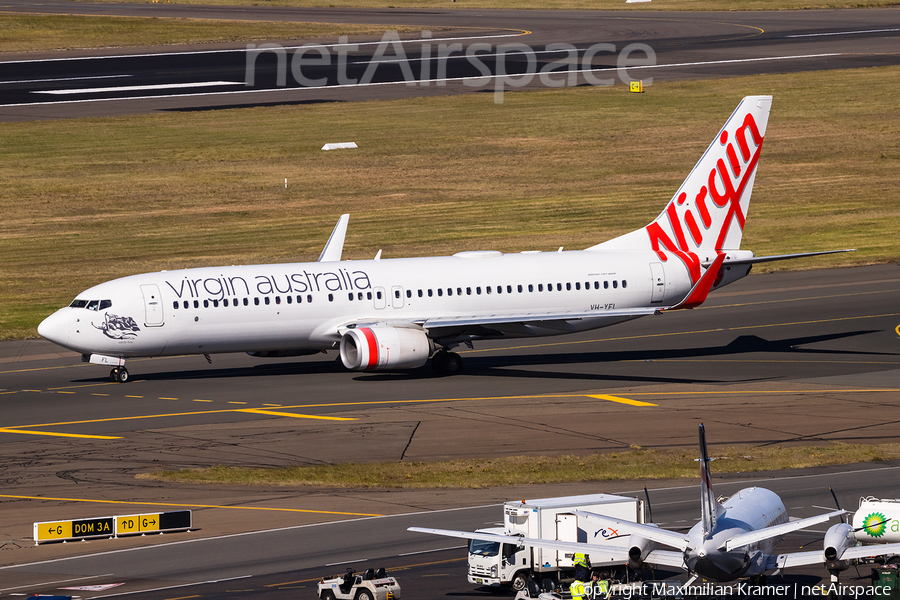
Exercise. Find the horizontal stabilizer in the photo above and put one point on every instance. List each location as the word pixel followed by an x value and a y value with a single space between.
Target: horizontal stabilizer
pixel 761 259
pixel 752 537
pixel 654 534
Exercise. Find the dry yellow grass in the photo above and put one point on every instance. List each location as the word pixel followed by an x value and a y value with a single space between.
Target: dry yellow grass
pixel 633 464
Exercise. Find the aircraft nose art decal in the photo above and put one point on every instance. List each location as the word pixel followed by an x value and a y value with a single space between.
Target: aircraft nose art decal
pixel 118 328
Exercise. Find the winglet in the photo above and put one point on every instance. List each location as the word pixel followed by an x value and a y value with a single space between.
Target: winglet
pixel 700 291
pixel 335 246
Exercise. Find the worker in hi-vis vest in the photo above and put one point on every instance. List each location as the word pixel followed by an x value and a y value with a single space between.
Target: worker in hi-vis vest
pixel 599 588
pixel 582 566
pixel 577 590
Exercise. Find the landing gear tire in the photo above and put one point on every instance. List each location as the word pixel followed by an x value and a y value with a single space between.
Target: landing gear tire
pixel 446 363
pixel 119 374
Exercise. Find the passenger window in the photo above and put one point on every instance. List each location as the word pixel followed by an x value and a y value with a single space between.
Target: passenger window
pixel 378 294
pixel 350 296
pixel 409 293
pixel 266 300
pixel 449 291
pixel 559 287
pixel 509 289
pixel 605 285
pixel 206 304
pixel 624 284
pixel 429 293
pixel 299 299
pixel 225 302
pixel 459 291
pixel 478 290
pixel 541 287
pixel 215 304
pixel 530 287
pixel 277 299
pixel 186 305
pixel 359 296
pixel 175 305
pixel 420 293
pixel 615 284
pixel 578 285
pixel 196 304
pixel 368 295
pixel 246 302
pixel 256 301
pixel 331 297
pixel 396 293
pixel 440 291
pixel 309 297
pixel 468 291
pixel 520 288
pixel 289 299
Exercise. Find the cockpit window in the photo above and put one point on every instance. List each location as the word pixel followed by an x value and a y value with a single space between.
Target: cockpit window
pixel 93 304
pixel 78 303
pixel 104 304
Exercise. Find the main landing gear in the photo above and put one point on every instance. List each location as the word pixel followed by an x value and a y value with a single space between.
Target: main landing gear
pixel 446 363
pixel 119 374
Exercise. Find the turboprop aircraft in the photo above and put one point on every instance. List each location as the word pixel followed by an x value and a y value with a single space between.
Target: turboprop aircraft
pixel 735 538
pixel 395 314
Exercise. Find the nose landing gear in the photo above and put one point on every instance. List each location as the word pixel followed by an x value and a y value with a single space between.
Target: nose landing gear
pixel 119 374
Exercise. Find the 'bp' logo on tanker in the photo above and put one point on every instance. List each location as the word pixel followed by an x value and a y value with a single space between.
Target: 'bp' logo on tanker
pixel 875 524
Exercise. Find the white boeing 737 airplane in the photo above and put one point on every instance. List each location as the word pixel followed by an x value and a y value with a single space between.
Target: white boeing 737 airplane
pixel 735 538
pixel 395 314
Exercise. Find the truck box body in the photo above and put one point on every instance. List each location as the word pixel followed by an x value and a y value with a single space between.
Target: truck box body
pixel 548 519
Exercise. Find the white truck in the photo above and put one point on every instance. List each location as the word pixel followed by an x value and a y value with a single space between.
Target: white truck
pixel 498 565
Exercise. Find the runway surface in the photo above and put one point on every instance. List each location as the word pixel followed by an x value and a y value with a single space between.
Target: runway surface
pixel 458 51
pixel 780 358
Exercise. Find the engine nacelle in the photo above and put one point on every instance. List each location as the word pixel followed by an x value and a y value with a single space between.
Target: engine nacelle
pixel 837 539
pixel 383 348
pixel 638 549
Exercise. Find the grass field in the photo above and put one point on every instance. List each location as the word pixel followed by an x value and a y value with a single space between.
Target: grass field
pixel 633 464
pixel 21 33
pixel 86 200
pixel 654 5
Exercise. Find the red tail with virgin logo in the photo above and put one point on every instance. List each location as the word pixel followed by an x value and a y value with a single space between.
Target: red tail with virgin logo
pixel 707 213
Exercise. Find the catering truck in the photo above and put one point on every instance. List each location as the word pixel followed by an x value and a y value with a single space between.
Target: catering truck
pixel 498 564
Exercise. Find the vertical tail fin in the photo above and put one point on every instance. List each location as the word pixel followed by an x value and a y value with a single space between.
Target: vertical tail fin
pixel 708 211
pixel 710 507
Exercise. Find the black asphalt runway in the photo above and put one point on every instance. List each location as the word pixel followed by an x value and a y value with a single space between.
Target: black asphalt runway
pixel 459 51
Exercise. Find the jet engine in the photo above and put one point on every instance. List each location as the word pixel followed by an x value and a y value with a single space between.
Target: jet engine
pixel 384 348
pixel 638 549
pixel 837 539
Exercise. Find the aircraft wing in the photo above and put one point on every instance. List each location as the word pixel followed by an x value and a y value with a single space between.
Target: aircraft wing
pixel 601 555
pixel 655 534
pixel 870 550
pixel 666 558
pixel 442 326
pixel 751 537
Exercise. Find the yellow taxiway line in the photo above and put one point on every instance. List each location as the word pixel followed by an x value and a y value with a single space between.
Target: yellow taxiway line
pixel 295 510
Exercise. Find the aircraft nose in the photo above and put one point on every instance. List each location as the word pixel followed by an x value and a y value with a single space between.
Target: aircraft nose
pixel 55 328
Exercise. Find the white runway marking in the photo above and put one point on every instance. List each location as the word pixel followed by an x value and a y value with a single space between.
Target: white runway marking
pixel 842 33
pixel 63 79
pixel 138 88
pixel 433 81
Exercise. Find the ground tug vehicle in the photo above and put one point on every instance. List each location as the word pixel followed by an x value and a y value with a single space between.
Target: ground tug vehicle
pixel 372 584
